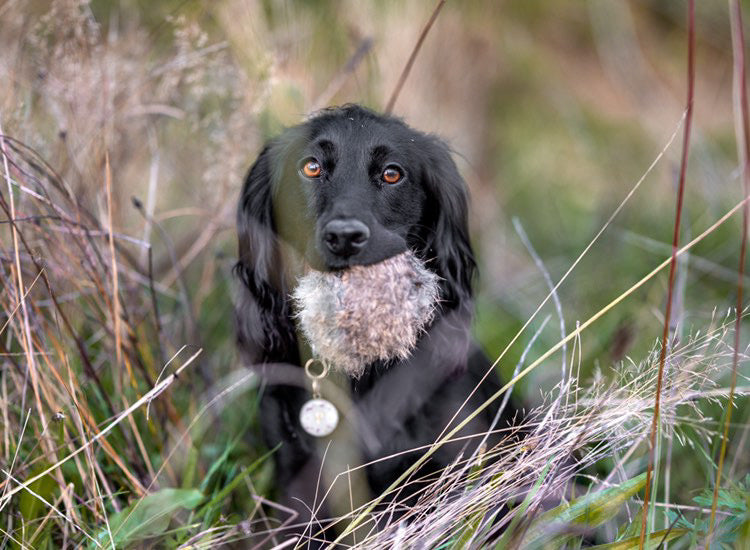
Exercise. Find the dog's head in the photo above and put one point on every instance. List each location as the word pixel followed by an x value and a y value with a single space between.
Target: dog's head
pixel 350 187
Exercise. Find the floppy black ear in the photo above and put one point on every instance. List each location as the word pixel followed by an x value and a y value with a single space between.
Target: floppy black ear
pixel 447 248
pixel 265 331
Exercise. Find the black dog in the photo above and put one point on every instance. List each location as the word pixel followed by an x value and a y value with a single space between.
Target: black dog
pixel 352 187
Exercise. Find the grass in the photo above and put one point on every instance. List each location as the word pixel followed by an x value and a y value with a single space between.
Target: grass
pixel 125 417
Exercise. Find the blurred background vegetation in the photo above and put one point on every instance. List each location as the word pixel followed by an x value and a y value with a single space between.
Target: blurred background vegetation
pixel 554 111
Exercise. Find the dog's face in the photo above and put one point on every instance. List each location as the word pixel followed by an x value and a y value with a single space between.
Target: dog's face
pixel 350 187
pixel 361 176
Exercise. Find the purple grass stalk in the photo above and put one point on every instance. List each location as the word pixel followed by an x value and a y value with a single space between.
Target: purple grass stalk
pixel 672 267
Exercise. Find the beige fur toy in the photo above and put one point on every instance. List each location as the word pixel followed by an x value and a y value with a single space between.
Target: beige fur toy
pixel 354 317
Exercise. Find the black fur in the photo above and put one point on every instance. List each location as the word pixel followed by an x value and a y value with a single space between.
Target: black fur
pixel 399 406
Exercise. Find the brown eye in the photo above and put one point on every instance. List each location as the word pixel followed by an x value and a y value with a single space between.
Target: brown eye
pixel 311 168
pixel 392 175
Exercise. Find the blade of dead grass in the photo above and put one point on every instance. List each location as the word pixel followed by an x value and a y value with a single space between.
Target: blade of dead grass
pixel 115 282
pixel 15 454
pixel 89 421
pixel 52 508
pixel 87 364
pixel 743 131
pixel 583 326
pixel 575 263
pixel 672 270
pixel 20 294
pixel 20 302
pixel 157 390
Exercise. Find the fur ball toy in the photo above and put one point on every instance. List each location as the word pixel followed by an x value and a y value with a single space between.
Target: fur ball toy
pixel 363 314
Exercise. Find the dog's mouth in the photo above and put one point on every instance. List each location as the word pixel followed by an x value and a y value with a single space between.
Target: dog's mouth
pixel 356 316
pixel 327 262
pixel 345 242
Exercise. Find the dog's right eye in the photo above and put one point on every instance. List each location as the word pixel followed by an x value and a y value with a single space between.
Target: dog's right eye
pixel 392 174
pixel 311 168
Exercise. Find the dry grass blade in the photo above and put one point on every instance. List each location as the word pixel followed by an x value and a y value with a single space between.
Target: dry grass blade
pixel 20 303
pixel 115 278
pixel 572 267
pixel 20 292
pixel 147 398
pixel 53 508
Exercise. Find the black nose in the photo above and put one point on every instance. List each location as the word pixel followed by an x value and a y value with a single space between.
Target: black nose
pixel 345 237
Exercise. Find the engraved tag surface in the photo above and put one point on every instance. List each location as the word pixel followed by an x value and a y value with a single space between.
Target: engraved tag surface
pixel 319 417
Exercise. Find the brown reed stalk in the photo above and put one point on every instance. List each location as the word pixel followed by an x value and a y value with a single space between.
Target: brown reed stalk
pixel 412 58
pixel 115 281
pixel 738 52
pixel 672 268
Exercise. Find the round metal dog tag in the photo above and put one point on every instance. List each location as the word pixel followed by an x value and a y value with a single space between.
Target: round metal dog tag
pixel 319 417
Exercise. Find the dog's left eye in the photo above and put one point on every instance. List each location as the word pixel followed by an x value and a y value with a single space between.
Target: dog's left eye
pixel 392 174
